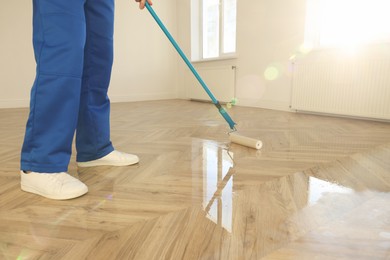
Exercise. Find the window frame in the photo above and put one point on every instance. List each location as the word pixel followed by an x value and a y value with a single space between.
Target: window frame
pixel 197 33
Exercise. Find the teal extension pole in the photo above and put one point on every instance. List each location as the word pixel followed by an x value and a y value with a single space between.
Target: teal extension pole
pixel 221 110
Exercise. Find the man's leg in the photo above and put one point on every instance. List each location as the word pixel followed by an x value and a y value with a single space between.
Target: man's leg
pixel 93 129
pixel 93 143
pixel 59 38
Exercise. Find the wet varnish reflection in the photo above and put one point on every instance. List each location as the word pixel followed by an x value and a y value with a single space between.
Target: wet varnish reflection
pixel 218 178
pixel 336 211
pixel 318 189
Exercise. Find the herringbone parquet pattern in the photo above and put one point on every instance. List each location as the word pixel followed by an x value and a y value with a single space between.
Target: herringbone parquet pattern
pixel 318 189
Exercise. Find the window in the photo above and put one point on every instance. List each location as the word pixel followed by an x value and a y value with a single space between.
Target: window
pixel 213 28
pixel 343 23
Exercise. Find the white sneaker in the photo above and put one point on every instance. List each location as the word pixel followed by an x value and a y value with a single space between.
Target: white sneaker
pixel 57 186
pixel 115 158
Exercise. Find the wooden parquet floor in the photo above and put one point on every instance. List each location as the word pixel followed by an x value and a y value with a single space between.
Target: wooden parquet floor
pixel 318 189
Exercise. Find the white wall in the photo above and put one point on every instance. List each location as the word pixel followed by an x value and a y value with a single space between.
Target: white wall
pixel 145 66
pixel 269 32
pixel 17 67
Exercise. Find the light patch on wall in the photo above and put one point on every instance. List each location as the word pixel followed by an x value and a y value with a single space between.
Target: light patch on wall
pixel 250 87
pixel 274 71
pixel 271 73
pixel 303 50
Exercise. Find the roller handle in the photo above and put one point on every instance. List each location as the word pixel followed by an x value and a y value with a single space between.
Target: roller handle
pixel 221 110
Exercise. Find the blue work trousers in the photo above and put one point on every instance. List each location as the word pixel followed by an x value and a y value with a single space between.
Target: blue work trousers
pixel 73 47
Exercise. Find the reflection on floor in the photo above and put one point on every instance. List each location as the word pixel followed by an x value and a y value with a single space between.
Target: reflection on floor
pixel 217 168
pixel 319 189
pixel 318 213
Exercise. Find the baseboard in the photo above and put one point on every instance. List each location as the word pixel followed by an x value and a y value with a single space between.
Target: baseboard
pixel 266 104
pixel 14 103
pixel 23 103
pixel 142 97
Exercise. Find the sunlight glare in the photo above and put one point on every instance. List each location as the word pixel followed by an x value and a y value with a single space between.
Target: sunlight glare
pixel 343 23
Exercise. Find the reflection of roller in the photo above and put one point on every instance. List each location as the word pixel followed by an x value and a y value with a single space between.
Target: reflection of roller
pixel 245 141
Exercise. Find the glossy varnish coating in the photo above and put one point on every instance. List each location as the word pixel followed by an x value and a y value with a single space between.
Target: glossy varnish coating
pixel 318 189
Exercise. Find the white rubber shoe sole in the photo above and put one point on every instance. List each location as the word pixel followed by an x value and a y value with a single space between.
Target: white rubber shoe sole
pixel 115 158
pixel 56 186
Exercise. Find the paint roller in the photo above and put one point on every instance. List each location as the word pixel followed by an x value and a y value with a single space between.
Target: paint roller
pixel 233 136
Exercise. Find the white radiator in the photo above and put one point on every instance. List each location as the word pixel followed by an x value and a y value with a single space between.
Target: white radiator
pixel 352 88
pixel 220 80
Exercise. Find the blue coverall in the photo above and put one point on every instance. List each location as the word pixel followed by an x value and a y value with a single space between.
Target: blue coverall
pixel 73 47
